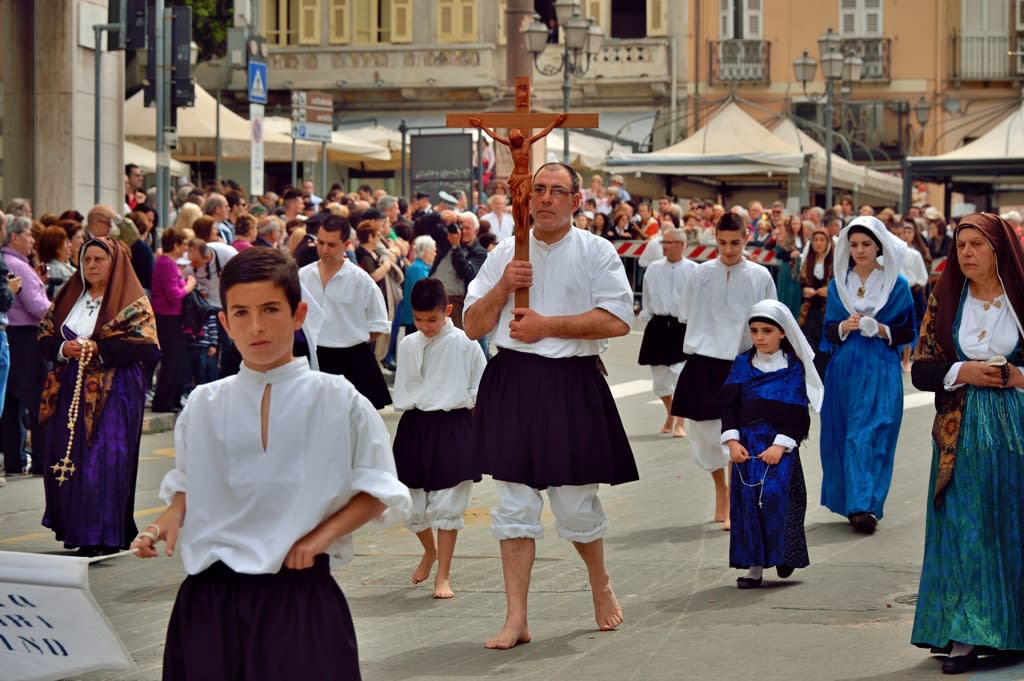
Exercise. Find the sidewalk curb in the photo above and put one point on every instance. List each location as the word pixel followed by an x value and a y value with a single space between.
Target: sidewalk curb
pixel 157 423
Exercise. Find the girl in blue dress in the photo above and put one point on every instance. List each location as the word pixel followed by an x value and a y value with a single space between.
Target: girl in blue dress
pixel 868 316
pixel 764 418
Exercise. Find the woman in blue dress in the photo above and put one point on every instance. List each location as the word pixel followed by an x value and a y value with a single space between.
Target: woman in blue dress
pixel 764 418
pixel 868 316
pixel 971 597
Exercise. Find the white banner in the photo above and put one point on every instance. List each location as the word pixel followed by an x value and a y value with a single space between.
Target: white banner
pixel 256 157
pixel 50 625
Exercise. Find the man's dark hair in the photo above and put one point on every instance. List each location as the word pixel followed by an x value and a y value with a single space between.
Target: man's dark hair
pixel 234 197
pixel 336 223
pixel 203 228
pixel 261 264
pixel 573 175
pixel 730 222
pixel 429 294
pixel 403 205
pixel 365 188
pixel 486 240
pixel 291 193
pixel 372 214
pixel 128 168
pixel 422 195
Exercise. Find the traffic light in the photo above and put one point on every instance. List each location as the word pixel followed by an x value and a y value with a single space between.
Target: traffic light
pixel 182 85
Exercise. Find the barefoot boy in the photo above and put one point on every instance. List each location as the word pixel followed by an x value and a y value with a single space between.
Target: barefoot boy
pixel 439 371
pixel 275 467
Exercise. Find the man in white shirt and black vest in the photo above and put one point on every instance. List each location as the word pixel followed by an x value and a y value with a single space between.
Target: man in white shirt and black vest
pixel 546 375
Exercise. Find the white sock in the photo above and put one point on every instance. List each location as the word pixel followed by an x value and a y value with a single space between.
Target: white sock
pixel 755 572
pixel 960 649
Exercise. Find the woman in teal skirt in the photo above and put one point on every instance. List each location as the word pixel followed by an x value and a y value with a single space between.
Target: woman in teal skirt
pixel 788 248
pixel 971 597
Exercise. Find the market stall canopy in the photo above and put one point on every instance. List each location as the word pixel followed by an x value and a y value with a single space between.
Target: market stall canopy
pixel 870 185
pixel 585 150
pixel 730 143
pixel 197 132
pixel 146 160
pixel 345 147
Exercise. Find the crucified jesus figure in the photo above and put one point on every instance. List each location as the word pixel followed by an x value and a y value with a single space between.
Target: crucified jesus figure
pixel 520 179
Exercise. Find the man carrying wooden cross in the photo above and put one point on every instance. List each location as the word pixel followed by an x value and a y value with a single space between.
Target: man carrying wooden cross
pixel 545 418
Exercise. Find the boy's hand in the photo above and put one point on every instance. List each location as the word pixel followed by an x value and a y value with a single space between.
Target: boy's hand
pixel 772 455
pixel 145 546
pixel 211 351
pixel 302 555
pixel 737 452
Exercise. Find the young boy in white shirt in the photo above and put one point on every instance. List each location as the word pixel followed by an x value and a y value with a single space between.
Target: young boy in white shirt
pixel 275 467
pixel 439 371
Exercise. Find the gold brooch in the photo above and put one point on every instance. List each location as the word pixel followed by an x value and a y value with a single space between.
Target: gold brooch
pixel 860 292
pixel 997 304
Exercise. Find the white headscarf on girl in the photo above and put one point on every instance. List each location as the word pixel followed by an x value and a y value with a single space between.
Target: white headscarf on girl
pixel 780 314
pixel 891 259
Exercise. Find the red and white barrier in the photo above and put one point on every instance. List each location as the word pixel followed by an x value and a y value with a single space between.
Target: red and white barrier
pixel 697 253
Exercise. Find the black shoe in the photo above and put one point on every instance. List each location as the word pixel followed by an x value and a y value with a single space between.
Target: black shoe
pixel 865 523
pixel 958 664
pixel 784 571
pixel 747 582
pixel 389 365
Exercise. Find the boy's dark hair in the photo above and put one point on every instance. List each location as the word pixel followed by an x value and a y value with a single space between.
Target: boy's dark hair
pixel 428 295
pixel 336 223
pixel 485 240
pixel 262 264
pixel 731 222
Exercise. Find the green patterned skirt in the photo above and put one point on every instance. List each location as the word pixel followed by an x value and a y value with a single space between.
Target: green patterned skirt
pixel 972 578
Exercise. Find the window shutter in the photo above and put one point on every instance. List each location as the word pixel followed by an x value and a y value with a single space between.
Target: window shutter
pixel 401 21
pixel 657 21
pixel 600 10
pixel 309 22
pixel 338 23
pixel 753 24
pixel 466 17
pixel 503 21
pixel 445 21
pixel 725 28
pixel 848 17
pixel 872 26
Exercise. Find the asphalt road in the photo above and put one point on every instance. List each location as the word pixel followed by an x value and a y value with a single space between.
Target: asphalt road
pixel 848 616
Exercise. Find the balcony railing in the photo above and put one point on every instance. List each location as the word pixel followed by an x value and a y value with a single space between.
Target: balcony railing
pixel 738 61
pixel 985 57
pixel 877 56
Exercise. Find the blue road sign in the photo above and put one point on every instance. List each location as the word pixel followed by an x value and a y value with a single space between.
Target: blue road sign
pixel 257 83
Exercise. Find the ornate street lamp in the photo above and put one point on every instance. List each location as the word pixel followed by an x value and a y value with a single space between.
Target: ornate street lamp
pixel 834 67
pixel 581 42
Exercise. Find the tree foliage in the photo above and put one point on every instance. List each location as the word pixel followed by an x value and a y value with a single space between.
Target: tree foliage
pixel 210 22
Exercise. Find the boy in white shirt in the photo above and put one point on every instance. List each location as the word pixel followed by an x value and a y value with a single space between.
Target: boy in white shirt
pixel 439 370
pixel 279 464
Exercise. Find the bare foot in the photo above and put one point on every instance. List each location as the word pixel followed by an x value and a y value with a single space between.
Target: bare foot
pixel 442 587
pixel 678 430
pixel 667 428
pixel 721 507
pixel 726 525
pixel 422 570
pixel 508 637
pixel 607 611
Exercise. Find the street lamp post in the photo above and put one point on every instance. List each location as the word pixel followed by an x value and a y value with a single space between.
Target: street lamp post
pixel 582 40
pixel 834 67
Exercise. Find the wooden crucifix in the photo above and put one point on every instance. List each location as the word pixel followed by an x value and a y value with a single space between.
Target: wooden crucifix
pixel 519 123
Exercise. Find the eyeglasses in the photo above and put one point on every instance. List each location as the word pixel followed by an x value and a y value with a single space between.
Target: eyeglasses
pixel 669 243
pixel 555 191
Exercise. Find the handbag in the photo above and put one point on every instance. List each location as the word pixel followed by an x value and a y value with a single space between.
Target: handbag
pixel 195 310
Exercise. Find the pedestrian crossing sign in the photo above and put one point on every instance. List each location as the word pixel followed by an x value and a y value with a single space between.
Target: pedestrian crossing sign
pixel 257 83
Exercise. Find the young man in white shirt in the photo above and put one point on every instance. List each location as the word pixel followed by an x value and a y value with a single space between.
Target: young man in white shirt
pixel 354 313
pixel 546 375
pixel 715 310
pixel 276 468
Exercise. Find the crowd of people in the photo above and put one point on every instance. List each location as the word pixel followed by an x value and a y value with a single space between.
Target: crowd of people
pixel 274 294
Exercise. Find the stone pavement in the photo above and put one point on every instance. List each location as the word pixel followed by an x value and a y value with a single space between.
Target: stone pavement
pixel 846 617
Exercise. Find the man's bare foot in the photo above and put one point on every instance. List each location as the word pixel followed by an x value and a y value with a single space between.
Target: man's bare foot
pixel 678 430
pixel 442 587
pixel 726 525
pixel 607 611
pixel 721 507
pixel 422 570
pixel 508 637
pixel 667 427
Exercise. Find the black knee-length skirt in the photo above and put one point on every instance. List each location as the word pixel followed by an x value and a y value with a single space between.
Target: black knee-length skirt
pixel 360 367
pixel 294 624
pixel 545 422
pixel 663 341
pixel 698 386
pixel 434 449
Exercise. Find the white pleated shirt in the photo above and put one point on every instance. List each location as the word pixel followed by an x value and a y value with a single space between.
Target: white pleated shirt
pixel 576 274
pixel 664 285
pixel 247 506
pixel 440 373
pixel 353 305
pixel 716 305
